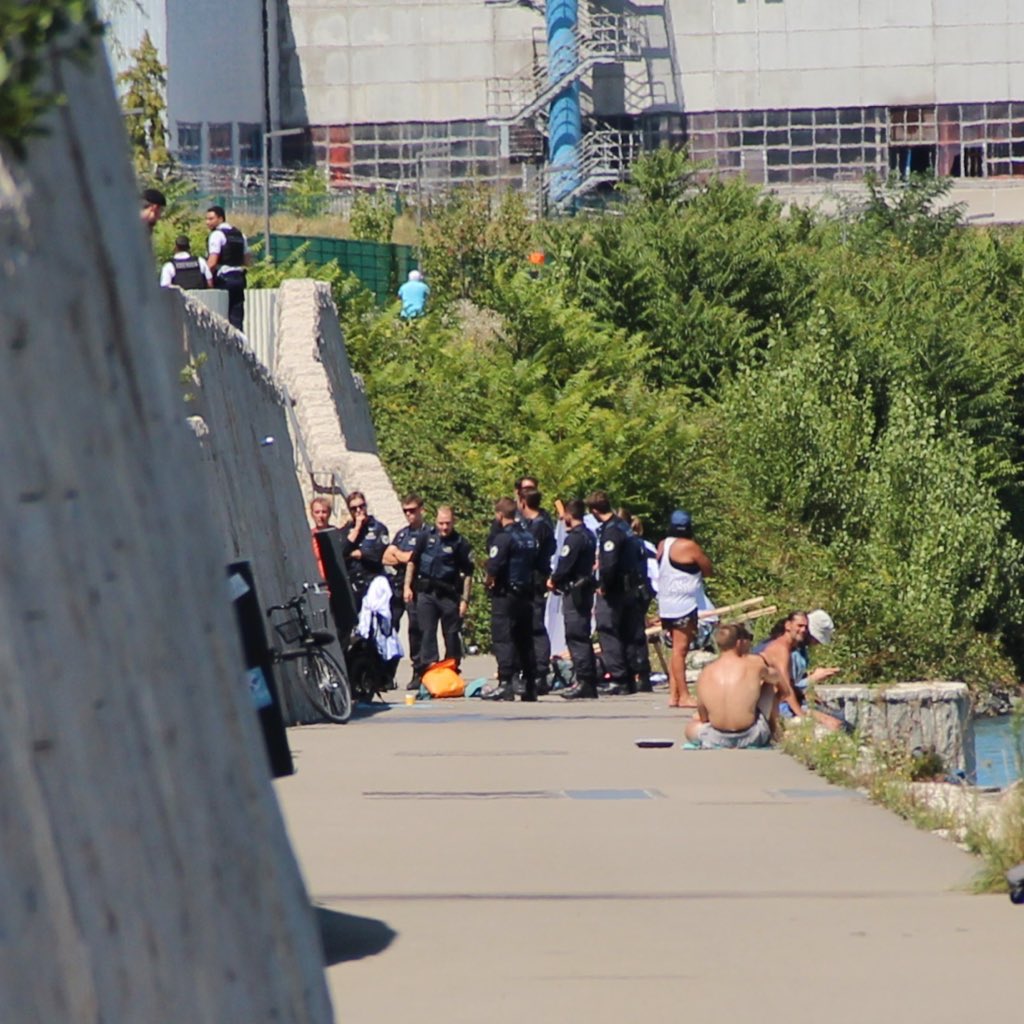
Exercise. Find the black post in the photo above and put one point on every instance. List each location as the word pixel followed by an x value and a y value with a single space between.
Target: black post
pixel 256 652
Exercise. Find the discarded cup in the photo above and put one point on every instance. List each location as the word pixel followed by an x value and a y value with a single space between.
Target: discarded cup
pixel 410 699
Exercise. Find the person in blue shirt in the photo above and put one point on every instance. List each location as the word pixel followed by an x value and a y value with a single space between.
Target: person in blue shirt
pixel 414 295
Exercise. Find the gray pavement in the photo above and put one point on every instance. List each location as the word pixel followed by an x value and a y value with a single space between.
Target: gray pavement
pixel 536 866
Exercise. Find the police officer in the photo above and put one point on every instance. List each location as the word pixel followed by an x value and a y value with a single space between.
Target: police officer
pixel 573 577
pixel 396 558
pixel 620 606
pixel 438 580
pixel 538 522
pixel 366 540
pixel 228 255
pixel 511 563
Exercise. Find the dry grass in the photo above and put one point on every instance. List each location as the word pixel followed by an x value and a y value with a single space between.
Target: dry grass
pixel 405 231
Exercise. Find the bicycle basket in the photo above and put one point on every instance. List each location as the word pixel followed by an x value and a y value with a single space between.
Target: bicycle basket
pixel 290 631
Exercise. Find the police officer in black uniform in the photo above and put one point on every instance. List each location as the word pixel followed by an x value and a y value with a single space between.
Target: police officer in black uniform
pixel 396 558
pixel 511 563
pixel 573 578
pixel 438 580
pixel 539 523
pixel 366 540
pixel 622 579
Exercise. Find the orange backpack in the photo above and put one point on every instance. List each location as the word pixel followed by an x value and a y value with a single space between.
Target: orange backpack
pixel 442 680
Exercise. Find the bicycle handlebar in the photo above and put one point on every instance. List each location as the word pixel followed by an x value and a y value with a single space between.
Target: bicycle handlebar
pixel 295 602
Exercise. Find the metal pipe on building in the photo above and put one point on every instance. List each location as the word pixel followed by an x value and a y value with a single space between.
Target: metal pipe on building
pixel 564 122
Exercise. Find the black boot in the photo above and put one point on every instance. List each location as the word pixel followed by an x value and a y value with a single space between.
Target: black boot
pixel 581 691
pixel 643 683
pixel 529 691
pixel 503 691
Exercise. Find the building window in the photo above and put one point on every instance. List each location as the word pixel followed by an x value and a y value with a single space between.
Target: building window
pixel 913 138
pixel 220 143
pixel 190 143
pixel 250 144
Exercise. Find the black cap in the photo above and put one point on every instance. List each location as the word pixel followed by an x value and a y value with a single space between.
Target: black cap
pixel 154 197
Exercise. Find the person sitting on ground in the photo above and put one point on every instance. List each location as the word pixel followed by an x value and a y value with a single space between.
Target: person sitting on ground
pixel 737 697
pixel 414 294
pixel 682 569
pixel 787 654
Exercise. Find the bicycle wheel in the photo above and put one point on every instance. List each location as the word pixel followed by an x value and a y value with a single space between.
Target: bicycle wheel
pixel 326 686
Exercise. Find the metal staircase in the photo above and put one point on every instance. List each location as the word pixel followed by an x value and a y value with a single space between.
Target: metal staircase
pixel 602 38
pixel 604 157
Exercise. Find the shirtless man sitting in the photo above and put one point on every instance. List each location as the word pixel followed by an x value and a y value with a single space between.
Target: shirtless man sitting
pixel 737 698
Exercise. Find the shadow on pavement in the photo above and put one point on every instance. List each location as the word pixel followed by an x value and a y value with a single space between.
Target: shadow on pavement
pixel 348 937
pixel 368 710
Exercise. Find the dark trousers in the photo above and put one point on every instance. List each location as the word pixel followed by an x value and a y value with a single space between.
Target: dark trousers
pixel 541 641
pixel 432 609
pixel 235 287
pixel 577 637
pixel 398 609
pixel 512 636
pixel 620 629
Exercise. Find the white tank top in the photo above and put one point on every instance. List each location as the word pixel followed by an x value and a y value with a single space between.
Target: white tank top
pixel 677 590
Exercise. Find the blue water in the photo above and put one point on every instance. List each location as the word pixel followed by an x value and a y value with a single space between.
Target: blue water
pixel 994 751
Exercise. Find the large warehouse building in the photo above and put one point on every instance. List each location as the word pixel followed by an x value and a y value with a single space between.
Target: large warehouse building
pixel 565 93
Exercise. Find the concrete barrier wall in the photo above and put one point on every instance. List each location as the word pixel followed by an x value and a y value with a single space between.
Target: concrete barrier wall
pixel 147 873
pixel 239 418
pixel 331 411
pixel 930 716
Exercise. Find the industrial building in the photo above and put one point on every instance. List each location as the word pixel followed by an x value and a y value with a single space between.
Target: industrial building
pixel 561 95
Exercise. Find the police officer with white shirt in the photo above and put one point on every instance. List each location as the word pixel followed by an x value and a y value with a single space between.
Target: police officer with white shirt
pixel 228 256
pixel 185 270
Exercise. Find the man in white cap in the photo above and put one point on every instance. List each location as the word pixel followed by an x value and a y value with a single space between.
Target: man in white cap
pixel 787 654
pixel 414 295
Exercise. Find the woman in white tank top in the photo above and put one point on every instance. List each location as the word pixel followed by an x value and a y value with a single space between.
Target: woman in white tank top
pixel 682 569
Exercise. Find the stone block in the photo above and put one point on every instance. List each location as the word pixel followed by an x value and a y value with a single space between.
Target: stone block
pixel 929 715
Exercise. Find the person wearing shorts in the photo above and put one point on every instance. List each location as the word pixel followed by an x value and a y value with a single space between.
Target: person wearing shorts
pixel 737 696
pixel 682 568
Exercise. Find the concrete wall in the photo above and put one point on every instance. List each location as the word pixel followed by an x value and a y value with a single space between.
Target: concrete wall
pixel 754 54
pixel 347 61
pixel 128 21
pixel 147 872
pixel 215 56
pixel 241 425
pixel 331 411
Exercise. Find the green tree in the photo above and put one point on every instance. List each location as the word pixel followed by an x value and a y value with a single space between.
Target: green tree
pixel 373 217
pixel 308 194
pixel 34 37
pixel 145 105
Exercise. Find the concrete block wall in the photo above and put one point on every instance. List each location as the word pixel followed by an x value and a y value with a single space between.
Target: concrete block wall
pixel 331 411
pixel 755 54
pixel 147 872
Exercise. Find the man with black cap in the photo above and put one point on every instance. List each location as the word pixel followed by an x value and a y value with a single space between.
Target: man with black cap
pixel 154 202
pixel 682 568
pixel 185 270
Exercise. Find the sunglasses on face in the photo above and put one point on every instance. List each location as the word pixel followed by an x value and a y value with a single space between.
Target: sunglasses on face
pixel 355 508
pixel 410 511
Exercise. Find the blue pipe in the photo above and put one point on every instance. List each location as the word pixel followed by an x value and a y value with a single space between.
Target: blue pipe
pixel 564 124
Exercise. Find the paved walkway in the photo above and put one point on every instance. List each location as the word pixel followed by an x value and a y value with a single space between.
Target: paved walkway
pixel 536 866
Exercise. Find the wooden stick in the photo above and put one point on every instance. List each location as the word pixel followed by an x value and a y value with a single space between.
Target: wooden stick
pixel 754 613
pixel 713 613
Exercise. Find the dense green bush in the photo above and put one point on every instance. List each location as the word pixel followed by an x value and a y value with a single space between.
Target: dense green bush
pixel 836 399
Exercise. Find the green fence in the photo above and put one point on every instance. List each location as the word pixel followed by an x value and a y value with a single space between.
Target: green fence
pixel 382 267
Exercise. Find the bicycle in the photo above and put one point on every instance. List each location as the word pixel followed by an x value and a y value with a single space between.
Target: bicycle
pixel 324 681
